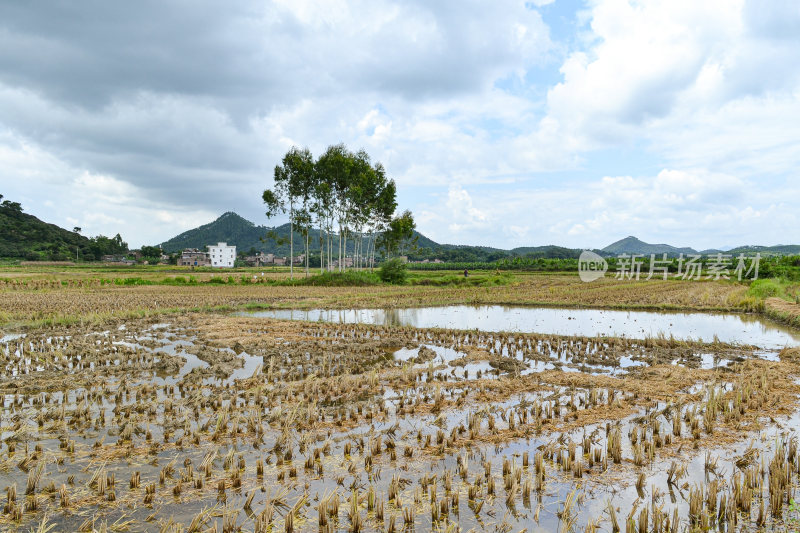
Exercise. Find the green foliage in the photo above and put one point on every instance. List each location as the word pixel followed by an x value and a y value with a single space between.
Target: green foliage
pixel 133 281
pixel 484 279
pixel 399 235
pixel 394 271
pixel 151 254
pixel 518 263
pixel 341 193
pixel 762 289
pixel 229 227
pixel 243 234
pixel 792 513
pixel 785 267
pixel 24 236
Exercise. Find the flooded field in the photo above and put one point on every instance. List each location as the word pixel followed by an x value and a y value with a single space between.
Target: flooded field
pixel 727 327
pixel 450 418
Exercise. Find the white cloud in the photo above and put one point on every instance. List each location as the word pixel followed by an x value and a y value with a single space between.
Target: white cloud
pixel 61 194
pixel 202 111
pixel 681 207
pixel 445 95
pixel 463 215
pixel 708 84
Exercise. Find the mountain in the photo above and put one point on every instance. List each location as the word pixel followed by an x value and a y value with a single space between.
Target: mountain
pixel 229 227
pixel 24 236
pixel 780 249
pixel 632 245
pixel 245 235
pixel 240 232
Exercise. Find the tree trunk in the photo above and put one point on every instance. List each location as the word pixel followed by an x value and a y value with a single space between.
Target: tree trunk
pixel 308 233
pixel 291 240
pixel 321 249
pixel 344 251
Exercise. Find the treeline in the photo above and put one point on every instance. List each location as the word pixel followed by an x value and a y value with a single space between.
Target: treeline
pixel 459 254
pixel 23 236
pixel 785 267
pixel 483 254
pixel 533 265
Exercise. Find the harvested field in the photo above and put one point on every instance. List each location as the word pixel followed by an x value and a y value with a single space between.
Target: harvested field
pixel 212 422
pixel 142 407
pixel 48 301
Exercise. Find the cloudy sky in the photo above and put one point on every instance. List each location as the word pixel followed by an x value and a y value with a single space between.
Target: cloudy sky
pixel 504 123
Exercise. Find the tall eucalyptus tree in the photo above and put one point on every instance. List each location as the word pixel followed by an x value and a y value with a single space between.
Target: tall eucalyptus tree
pixel 341 190
pixel 293 178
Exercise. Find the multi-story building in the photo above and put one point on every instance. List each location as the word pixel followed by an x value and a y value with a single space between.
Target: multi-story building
pixel 222 255
pixel 193 257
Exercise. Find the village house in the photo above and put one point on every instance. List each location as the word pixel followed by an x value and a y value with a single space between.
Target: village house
pixel 222 255
pixel 347 262
pixel 260 259
pixel 193 257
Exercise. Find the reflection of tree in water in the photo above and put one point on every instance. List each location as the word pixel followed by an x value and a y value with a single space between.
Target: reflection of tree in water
pixel 391 317
pixel 397 317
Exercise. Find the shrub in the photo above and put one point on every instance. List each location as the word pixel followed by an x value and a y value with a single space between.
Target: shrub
pixel 766 288
pixel 393 271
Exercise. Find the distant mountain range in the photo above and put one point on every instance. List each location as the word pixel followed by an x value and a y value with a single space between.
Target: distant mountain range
pixel 245 235
pixel 27 237
pixel 632 245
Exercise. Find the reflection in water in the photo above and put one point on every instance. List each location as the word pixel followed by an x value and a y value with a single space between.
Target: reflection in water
pixel 726 327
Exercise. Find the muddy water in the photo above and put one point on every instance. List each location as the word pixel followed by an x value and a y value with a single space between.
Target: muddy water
pixel 726 327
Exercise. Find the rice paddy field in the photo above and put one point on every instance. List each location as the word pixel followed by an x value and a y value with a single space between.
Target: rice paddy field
pixel 538 403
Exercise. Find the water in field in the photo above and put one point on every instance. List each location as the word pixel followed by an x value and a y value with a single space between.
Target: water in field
pixel 726 327
pixel 235 420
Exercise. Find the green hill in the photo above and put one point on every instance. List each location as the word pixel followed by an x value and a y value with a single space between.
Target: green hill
pixel 240 232
pixel 229 227
pixel 780 249
pixel 550 251
pixel 23 236
pixel 245 235
pixel 632 245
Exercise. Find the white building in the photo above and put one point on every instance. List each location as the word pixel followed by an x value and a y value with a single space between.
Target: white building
pixel 222 255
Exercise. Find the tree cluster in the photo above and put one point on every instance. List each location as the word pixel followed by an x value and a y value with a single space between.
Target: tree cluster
pixel 24 236
pixel 345 197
